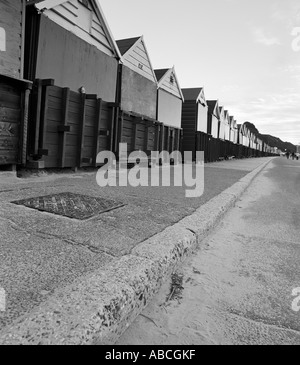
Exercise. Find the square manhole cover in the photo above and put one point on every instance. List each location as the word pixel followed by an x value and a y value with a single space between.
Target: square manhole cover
pixel 71 205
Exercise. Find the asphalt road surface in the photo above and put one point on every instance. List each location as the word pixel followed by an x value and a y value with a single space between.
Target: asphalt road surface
pixel 242 286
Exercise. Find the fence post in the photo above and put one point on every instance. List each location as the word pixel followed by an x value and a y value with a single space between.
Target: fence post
pixel 156 140
pixel 97 130
pixel 81 130
pixel 43 123
pixel 172 136
pixel 112 127
pixel 178 139
pixel 120 132
pixel 25 126
pixel 168 139
pixel 64 127
pixel 146 136
pixel 162 137
pixel 36 105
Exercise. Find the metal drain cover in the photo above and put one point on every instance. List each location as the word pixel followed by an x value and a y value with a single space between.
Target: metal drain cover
pixel 71 205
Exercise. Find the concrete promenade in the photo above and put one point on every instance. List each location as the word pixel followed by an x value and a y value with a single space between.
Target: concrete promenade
pixel 243 286
pixel 83 282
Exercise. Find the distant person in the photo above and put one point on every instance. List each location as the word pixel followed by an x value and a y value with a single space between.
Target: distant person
pixel 293 156
pixel 288 155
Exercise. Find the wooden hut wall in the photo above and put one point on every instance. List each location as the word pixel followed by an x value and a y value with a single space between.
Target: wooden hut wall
pixel 138 93
pixel 214 150
pixel 222 125
pixel 11 37
pixel 68 129
pixel 203 144
pixel 202 118
pixel 80 17
pixel 169 109
pixel 139 134
pixel 189 117
pixel 214 126
pixel 14 102
pixel 14 92
pixel 74 63
pixel 231 130
pixel 236 133
pixel 227 129
pixel 169 100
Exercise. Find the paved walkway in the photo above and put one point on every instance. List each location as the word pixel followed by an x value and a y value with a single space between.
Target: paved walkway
pixel 243 286
pixel 41 252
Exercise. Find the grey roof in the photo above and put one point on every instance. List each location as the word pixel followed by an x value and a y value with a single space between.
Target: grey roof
pixel 161 73
pixel 191 94
pixel 125 44
pixel 211 105
pixel 33 1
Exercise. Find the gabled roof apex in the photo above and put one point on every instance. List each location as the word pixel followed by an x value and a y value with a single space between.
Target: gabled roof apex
pixel 192 94
pixel 213 105
pixel 49 4
pixel 163 73
pixel 160 73
pixel 126 44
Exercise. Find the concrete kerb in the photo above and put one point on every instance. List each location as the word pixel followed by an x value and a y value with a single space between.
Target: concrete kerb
pixel 97 308
pixel 207 216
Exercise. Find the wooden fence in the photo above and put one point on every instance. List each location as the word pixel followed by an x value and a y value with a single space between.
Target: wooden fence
pixel 68 129
pixel 203 144
pixel 216 149
pixel 14 100
pixel 144 134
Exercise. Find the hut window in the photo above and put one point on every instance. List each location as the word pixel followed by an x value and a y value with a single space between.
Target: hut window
pixel 172 79
pixel 2 40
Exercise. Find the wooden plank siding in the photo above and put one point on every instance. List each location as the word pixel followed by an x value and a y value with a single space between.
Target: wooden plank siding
pixel 171 87
pixel 189 120
pixel 12 25
pixel 74 128
pixel 202 144
pixel 147 135
pixel 137 59
pixel 10 118
pixel 137 97
pixel 14 101
pixel 81 21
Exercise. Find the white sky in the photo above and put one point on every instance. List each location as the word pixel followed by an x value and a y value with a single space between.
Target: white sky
pixel 240 51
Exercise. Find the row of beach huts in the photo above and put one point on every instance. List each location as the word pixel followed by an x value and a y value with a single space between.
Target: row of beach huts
pixel 68 91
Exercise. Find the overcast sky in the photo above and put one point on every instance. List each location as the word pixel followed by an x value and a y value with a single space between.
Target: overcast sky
pixel 240 51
